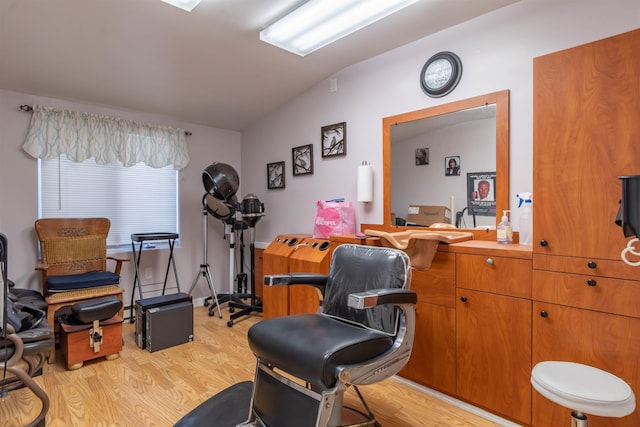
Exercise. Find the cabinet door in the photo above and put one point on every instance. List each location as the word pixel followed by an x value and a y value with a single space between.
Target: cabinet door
pixel 586 133
pixel 433 362
pixel 606 341
pixel 494 352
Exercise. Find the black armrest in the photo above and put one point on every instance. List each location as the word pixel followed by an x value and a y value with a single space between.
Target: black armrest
pixel 313 279
pixel 382 296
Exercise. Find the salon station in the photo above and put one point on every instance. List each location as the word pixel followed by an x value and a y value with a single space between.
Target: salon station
pixel 428 218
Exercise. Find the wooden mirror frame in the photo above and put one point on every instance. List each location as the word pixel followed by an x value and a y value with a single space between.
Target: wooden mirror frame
pixel 501 101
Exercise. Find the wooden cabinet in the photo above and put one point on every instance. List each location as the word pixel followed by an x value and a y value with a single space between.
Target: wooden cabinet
pixel 432 360
pixel 607 341
pixel 311 256
pixel 258 274
pixel 275 260
pixel 493 333
pixel 586 132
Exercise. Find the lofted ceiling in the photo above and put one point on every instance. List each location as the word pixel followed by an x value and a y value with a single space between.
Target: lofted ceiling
pixel 206 67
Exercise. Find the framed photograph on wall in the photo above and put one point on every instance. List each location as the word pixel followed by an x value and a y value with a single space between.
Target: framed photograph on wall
pixel 302 160
pixel 334 140
pixel 422 156
pixel 452 166
pixel 275 175
pixel 481 190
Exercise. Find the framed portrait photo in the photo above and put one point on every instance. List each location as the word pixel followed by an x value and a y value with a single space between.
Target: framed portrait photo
pixel 302 160
pixel 275 175
pixel 452 166
pixel 422 156
pixel 481 190
pixel 334 140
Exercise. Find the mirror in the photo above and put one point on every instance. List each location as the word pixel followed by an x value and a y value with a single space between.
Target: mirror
pixel 400 138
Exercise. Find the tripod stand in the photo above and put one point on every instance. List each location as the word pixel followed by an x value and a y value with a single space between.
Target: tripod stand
pixel 204 268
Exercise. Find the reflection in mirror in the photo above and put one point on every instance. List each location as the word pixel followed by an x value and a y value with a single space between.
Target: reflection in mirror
pixel 438 156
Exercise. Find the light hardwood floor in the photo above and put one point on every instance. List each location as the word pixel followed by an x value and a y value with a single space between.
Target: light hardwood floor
pixel 157 389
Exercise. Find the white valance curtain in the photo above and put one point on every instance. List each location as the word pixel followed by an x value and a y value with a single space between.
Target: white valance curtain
pixel 81 136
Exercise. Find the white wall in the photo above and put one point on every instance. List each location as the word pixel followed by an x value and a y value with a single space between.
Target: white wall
pixel 497 52
pixel 19 193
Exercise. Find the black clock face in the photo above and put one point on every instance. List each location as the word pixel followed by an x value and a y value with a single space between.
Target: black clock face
pixel 441 74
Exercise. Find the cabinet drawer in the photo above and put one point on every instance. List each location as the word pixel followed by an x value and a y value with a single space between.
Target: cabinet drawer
pixel 507 276
pixel 604 294
pixel 582 265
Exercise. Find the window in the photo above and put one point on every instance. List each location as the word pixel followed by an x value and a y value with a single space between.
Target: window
pixel 137 199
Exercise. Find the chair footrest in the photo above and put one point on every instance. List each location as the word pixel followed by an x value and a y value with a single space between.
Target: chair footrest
pixel 229 408
pixel 84 312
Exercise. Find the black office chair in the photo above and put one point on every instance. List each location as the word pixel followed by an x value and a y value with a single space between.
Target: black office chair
pixel 26 339
pixel 362 334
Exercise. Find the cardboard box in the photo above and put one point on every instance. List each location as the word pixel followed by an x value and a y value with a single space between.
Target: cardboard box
pixel 426 215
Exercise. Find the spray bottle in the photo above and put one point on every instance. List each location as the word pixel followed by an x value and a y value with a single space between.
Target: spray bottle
pixel 504 231
pixel 526 218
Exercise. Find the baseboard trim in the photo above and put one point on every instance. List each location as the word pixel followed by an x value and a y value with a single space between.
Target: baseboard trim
pixel 458 403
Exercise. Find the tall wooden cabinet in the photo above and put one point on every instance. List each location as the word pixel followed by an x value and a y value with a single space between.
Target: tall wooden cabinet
pixel 586 135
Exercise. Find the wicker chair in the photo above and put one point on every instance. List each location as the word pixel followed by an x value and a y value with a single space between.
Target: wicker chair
pixel 74 263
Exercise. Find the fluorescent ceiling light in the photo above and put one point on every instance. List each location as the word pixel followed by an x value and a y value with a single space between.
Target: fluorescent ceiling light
pixel 187 5
pixel 318 23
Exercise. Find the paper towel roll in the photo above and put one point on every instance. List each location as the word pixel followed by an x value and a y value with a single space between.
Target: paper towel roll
pixel 365 183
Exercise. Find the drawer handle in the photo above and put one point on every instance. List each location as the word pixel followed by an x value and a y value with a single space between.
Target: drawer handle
pixel 592 264
pixel 489 261
pixel 543 243
pixel 463 299
pixel 544 314
pixel 591 282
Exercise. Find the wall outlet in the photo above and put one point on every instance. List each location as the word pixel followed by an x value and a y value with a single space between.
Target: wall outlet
pixel 148 273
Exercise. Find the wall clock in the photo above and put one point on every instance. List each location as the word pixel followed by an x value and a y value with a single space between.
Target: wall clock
pixel 441 74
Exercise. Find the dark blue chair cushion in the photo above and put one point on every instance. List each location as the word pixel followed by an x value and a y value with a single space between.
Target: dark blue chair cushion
pixel 313 346
pixel 82 281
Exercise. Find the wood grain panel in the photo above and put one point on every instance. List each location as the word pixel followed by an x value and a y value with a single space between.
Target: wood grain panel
pixel 437 285
pixel 259 275
pixel 596 293
pixel 580 265
pixel 508 276
pixel 606 341
pixel 312 256
pixel 275 260
pixel 494 352
pixel 433 359
pixel 586 133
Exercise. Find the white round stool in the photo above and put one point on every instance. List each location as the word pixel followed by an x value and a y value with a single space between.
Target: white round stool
pixel 583 389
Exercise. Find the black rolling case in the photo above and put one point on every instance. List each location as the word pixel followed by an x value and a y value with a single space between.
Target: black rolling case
pixel 163 321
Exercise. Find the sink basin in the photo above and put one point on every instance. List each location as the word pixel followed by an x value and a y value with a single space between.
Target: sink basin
pixel 420 245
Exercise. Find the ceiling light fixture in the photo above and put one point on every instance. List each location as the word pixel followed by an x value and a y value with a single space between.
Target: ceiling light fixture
pixel 318 23
pixel 187 5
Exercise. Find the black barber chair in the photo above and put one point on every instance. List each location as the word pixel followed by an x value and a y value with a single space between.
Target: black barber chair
pixel 362 334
